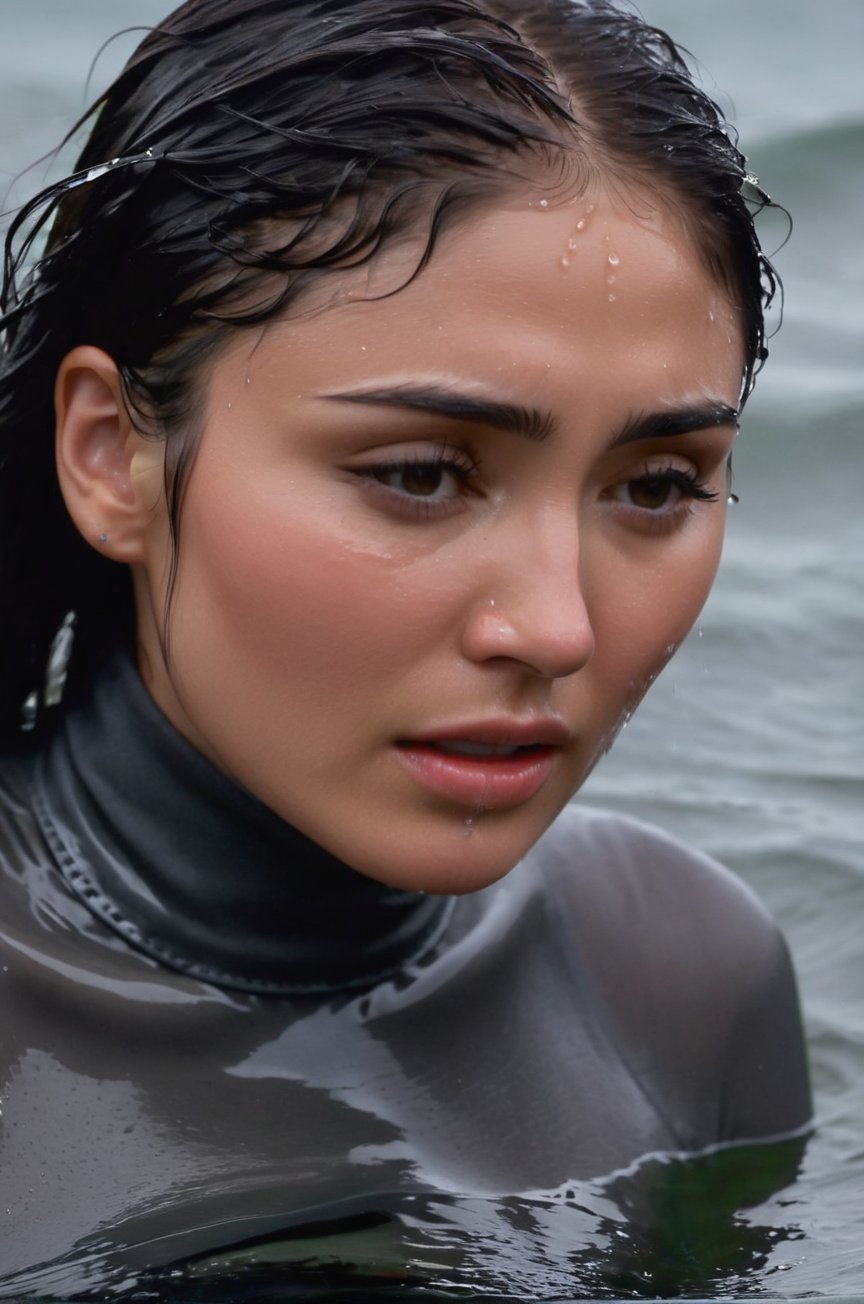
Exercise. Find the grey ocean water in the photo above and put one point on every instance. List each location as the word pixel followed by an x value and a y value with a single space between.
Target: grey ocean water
pixel 750 746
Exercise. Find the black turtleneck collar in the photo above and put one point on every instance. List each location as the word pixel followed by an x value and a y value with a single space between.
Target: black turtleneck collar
pixel 196 872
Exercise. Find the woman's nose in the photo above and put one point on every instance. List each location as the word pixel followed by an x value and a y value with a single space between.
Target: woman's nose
pixel 535 615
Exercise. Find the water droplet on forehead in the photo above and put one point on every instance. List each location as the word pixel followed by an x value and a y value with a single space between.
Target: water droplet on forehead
pixel 572 243
pixel 611 298
pixel 565 262
pixel 613 260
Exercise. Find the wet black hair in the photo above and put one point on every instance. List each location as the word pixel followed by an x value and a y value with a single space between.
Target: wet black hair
pixel 248 147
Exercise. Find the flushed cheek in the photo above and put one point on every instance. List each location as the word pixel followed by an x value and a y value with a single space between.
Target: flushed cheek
pixel 313 609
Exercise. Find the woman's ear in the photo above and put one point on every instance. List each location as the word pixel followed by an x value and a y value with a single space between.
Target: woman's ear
pixel 110 476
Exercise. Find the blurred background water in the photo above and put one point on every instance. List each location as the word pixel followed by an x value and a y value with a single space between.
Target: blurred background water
pixel 750 746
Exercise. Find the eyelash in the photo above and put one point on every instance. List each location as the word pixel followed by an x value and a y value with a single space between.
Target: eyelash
pixel 664 518
pixel 686 481
pixel 447 459
pixel 463 466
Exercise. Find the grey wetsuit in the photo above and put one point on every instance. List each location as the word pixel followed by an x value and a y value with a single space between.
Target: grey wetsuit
pixel 214 1032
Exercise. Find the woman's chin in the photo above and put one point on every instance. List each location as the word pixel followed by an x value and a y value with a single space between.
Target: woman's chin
pixel 474 853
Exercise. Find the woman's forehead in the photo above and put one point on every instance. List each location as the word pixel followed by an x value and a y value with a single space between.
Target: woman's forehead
pixel 524 302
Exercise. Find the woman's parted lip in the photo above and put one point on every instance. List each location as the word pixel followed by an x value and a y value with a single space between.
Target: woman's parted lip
pixel 488 764
pixel 493 737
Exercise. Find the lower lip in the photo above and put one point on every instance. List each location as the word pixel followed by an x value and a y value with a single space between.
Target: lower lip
pixel 481 782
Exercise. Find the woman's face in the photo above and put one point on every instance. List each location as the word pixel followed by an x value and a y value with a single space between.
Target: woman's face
pixel 435 546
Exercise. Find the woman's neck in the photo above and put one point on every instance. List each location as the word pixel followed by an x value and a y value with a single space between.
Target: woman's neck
pixel 196 872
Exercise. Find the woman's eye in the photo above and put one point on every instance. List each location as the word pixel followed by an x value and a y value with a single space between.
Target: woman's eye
pixel 431 480
pixel 425 484
pixel 662 491
pixel 651 492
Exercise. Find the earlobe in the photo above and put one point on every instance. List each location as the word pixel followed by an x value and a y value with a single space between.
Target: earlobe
pixel 96 443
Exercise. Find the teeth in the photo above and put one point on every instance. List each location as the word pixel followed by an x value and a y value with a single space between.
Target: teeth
pixel 476 749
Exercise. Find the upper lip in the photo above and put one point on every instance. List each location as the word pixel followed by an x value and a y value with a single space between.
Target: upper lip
pixel 544 732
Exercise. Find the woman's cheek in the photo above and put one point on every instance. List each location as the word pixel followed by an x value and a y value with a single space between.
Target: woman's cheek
pixel 298 595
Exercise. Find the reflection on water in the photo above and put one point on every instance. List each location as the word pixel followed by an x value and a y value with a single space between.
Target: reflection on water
pixel 672 1227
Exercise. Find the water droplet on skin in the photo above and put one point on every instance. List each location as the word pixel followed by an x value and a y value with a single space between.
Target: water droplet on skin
pixel 610 280
pixel 572 243
pixel 711 316
pixel 544 203
pixel 611 298
pixel 565 262
pixel 469 826
pixel 613 260
pixel 581 224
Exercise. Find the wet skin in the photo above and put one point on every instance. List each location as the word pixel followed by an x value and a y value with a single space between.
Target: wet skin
pixel 373 570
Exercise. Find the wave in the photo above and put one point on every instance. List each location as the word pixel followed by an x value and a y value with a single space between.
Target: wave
pixel 818 163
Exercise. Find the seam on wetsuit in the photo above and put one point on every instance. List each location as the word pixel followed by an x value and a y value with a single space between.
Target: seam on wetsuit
pixel 74 870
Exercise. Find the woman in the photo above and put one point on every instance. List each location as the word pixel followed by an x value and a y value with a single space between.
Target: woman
pixel 395 354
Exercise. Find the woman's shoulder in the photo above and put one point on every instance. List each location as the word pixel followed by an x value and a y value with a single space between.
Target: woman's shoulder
pixel 629 892
pixel 673 943
pixel 613 869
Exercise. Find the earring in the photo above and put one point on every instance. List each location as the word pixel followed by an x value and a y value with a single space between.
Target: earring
pixel 29 712
pixel 58 661
pixel 57 666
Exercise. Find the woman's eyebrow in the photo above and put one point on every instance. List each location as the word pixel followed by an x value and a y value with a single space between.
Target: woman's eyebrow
pixel 532 423
pixel 676 421
pixel 529 423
